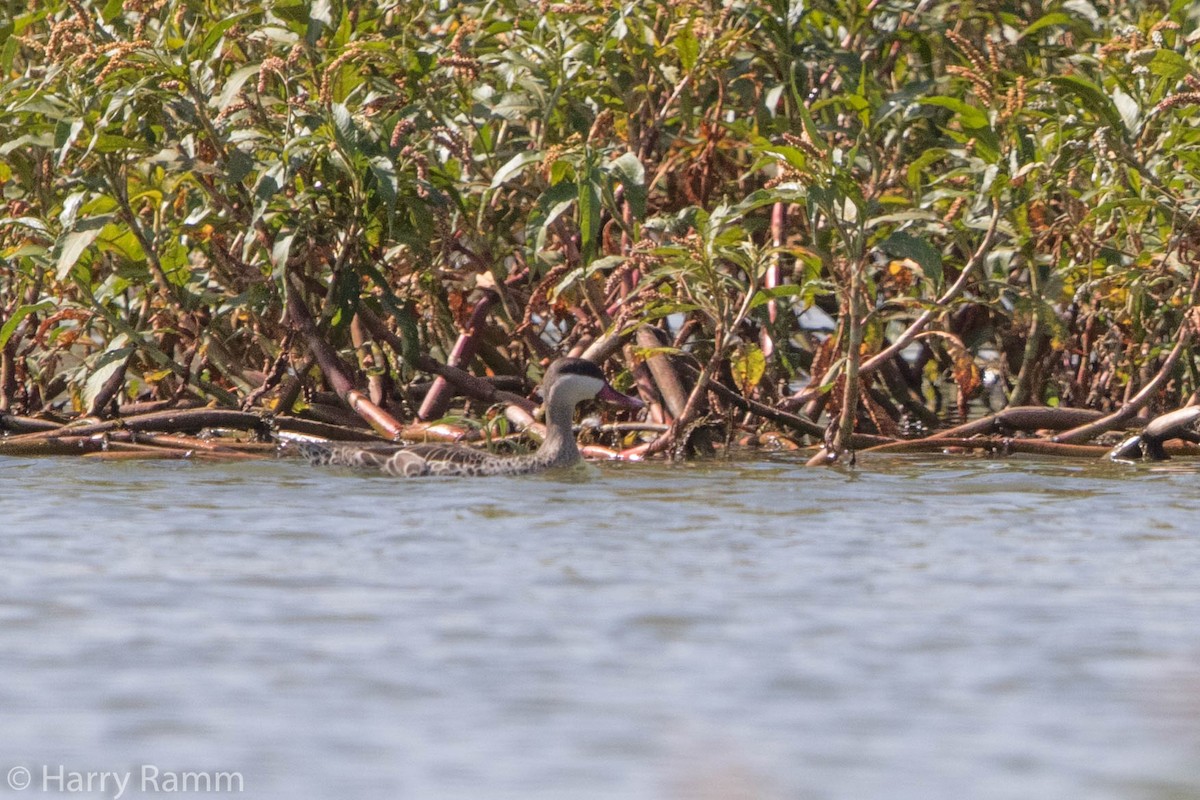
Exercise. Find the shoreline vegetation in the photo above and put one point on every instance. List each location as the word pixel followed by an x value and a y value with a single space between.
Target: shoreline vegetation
pixel 840 225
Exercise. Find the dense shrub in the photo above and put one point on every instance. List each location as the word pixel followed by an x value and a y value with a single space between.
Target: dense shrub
pixel 710 168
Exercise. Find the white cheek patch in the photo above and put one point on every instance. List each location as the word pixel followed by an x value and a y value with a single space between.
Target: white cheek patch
pixel 578 388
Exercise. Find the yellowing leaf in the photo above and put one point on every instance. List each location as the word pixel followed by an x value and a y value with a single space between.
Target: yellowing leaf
pixel 748 367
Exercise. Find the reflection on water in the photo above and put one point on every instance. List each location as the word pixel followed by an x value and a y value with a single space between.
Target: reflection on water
pixel 918 628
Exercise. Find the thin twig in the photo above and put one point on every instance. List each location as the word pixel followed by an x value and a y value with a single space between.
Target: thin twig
pixel 1114 420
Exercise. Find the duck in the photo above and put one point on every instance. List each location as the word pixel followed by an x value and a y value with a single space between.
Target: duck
pixel 567 383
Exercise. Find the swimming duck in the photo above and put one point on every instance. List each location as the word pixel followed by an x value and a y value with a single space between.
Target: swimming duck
pixel 568 382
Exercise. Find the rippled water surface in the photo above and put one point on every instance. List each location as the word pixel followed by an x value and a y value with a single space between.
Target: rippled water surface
pixel 917 628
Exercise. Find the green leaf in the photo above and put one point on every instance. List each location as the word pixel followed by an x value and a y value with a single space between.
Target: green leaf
pixel 794 157
pixel 72 245
pixel 553 203
pixel 281 250
pixel 514 166
pixel 270 182
pixel 969 115
pixel 650 352
pixel 628 170
pixel 65 136
pixel 320 19
pixel 764 296
pixel 111 143
pixel 917 168
pixel 1093 97
pixel 111 9
pixel 233 86
pixel 217 31
pixel 909 215
pixel 1128 108
pixel 110 365
pixel 174 259
pixel 386 183
pixel 771 98
pixel 10 325
pixel 662 310
pixel 44 139
pixel 589 215
pixel 905 245
pixel 1047 21
pixel 759 198
pixel 1169 64
pixel 294 12
pixel 687 48
pixel 238 165
pixel 574 276
pixel 345 131
pixel 1084 9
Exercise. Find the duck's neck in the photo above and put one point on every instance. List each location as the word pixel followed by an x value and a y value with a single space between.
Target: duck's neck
pixel 559 448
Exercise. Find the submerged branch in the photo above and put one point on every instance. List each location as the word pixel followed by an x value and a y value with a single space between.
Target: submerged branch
pixel 191 420
pixel 991 444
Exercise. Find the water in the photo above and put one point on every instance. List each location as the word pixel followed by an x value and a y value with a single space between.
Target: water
pixel 919 628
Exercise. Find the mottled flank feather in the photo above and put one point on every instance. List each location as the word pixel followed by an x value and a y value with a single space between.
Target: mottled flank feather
pixel 411 461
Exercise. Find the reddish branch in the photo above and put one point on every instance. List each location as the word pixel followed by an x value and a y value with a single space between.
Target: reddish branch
pixel 437 401
pixel 465 382
pixel 335 370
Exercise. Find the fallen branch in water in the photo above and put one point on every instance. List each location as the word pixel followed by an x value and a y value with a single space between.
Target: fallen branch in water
pixel 1021 418
pixel 991 444
pixel 632 427
pixel 1150 443
pixel 796 422
pixel 191 420
pixel 134 445
pixel 324 430
pixel 19 424
pixel 57 446
pixel 216 447
pixel 679 431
